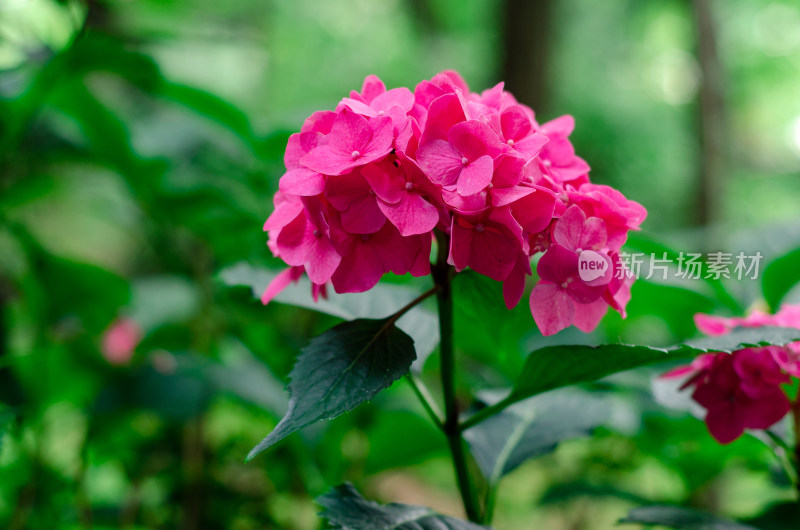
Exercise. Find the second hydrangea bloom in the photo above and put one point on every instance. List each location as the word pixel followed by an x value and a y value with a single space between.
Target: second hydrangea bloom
pixel 368 184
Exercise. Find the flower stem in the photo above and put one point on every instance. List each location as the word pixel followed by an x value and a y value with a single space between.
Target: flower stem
pixel 442 278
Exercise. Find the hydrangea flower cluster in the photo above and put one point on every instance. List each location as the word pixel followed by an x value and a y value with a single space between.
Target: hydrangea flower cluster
pixel 368 184
pixel 743 390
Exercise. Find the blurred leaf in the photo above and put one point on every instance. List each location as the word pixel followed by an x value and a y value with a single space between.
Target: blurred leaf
pixel 391 426
pixel 564 493
pixel 91 293
pixel 159 300
pixel 785 516
pixel 680 519
pixel 533 427
pixel 383 299
pixel 558 366
pixel 643 243
pixel 341 369
pixel 780 276
pixel 674 305
pixel 211 106
pixel 346 509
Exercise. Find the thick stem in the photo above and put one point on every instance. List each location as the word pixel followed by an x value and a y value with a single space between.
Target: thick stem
pixel 442 277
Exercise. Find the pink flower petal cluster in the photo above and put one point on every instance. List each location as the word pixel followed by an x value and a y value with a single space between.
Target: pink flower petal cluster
pixel 369 183
pixel 743 390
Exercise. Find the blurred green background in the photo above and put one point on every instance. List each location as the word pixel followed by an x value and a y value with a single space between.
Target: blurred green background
pixel 141 142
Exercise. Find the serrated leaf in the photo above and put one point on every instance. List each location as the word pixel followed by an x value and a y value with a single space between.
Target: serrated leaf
pixel 533 427
pixel 346 509
pixel 341 369
pixel 780 276
pixel 383 299
pixel 557 366
pixel 680 519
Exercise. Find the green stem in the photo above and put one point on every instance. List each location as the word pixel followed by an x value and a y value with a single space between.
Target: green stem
pixel 486 413
pixel 426 400
pixel 452 430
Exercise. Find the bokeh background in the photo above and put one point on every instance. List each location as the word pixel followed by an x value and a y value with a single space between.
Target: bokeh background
pixel 141 142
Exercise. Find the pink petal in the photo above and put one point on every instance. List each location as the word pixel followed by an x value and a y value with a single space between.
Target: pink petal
pixel 281 282
pixel 386 180
pixel 476 176
pixel 411 215
pixel 473 139
pixel 531 145
pixel 302 182
pixel 400 97
pixel 358 271
pixel 285 212
pixel 767 410
pixel 372 88
pixel 460 243
pixel 298 145
pixel 444 112
pixel 558 264
pixel 514 284
pixel 440 162
pixel 587 316
pixel 725 422
pixel 342 190
pixel 508 171
pixel 322 260
pixel 551 308
pixel 363 216
pixel 319 122
pixel 712 325
pixel 534 211
pixel 515 123
pixel 569 228
pixel 493 251
pixel 561 126
pixel 506 196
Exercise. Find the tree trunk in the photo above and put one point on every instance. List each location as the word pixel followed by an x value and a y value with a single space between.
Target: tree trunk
pixel 528 34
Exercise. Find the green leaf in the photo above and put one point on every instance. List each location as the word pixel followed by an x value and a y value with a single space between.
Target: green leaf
pixel 780 276
pixel 341 369
pixel 533 427
pixel 783 516
pixel 557 366
pixel 680 519
pixel 346 509
pixel 383 299
pixel 643 243
pixel 211 106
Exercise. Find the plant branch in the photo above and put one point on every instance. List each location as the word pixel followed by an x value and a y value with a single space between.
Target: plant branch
pixel 425 398
pixel 442 274
pixel 486 413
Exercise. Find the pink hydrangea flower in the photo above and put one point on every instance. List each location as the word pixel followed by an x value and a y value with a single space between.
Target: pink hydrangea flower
pixel 742 390
pixel 369 184
pixel 120 341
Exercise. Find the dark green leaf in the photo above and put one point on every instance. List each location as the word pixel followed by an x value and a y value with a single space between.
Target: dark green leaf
pixel 783 516
pixel 780 276
pixel 383 299
pixel 680 519
pixel 346 509
pixel 558 366
pixel 533 427
pixel 341 369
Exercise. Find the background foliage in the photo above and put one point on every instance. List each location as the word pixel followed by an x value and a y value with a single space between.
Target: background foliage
pixel 140 145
